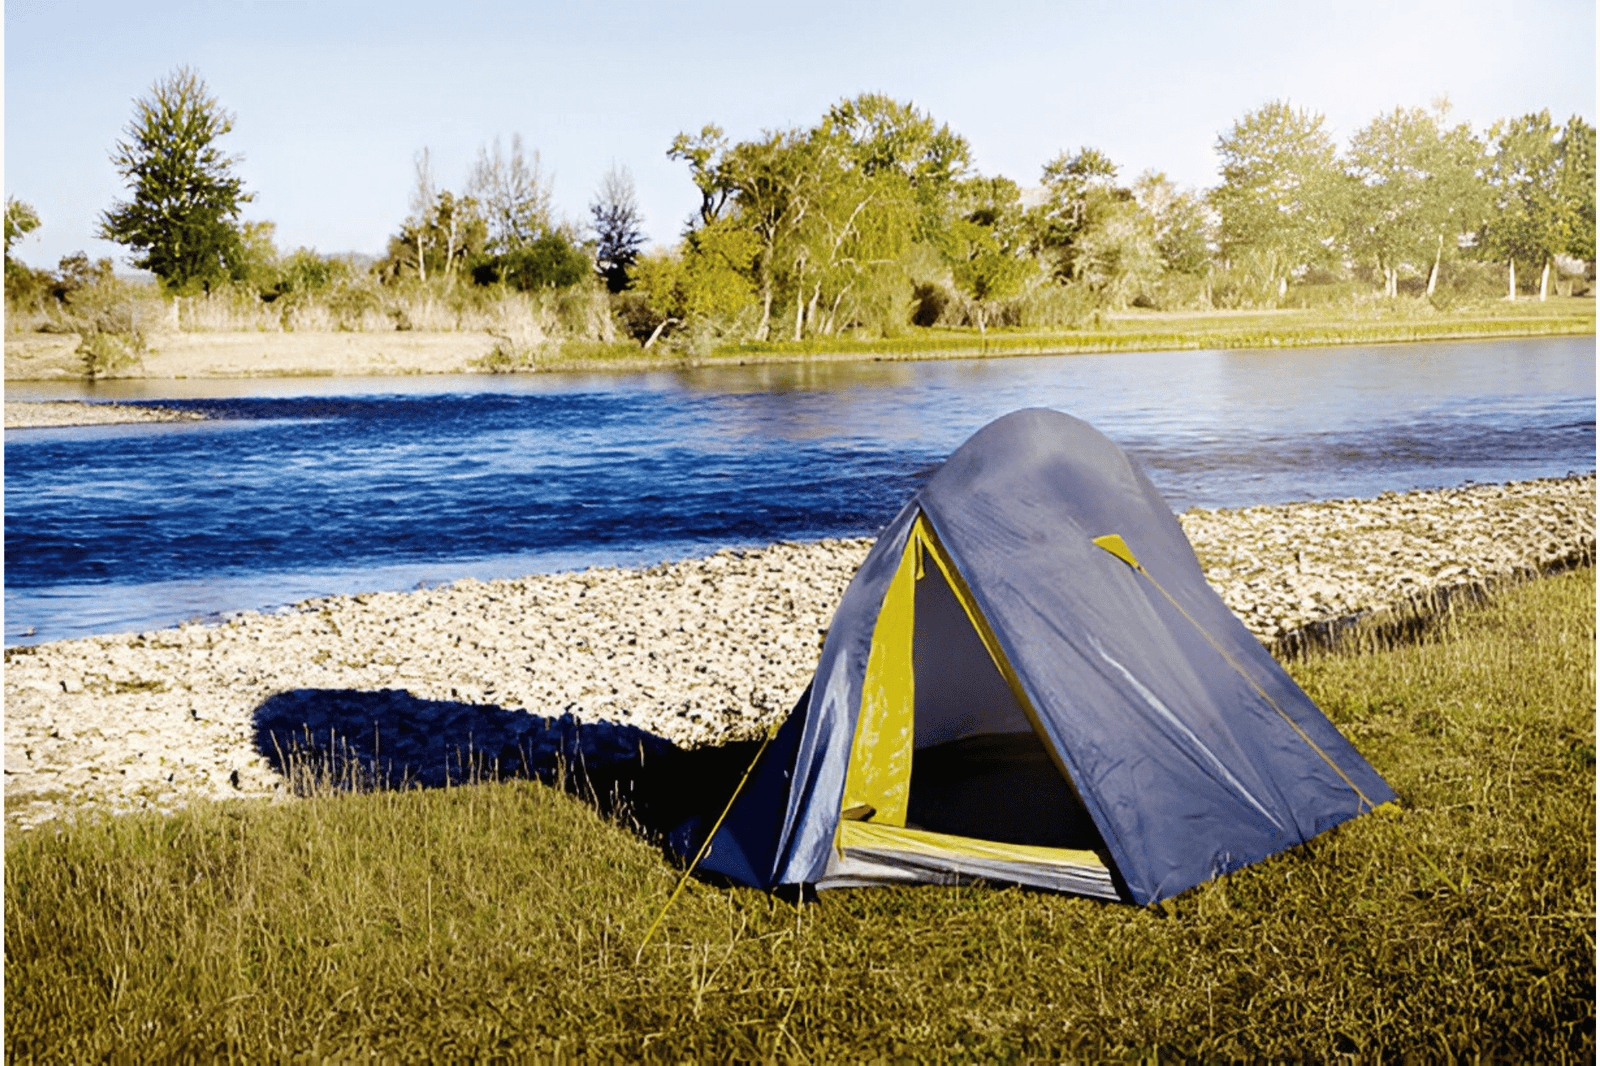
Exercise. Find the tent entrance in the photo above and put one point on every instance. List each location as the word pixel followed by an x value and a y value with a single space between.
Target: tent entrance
pixel 947 755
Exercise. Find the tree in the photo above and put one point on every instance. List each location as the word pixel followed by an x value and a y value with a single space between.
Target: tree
pixel 21 219
pixel 1093 231
pixel 414 231
pixel 1578 187
pixel 514 194
pixel 1541 178
pixel 706 155
pixel 617 226
pixel 1179 220
pixel 1414 186
pixel 442 231
pixel 549 261
pixel 885 137
pixel 1278 201
pixel 182 221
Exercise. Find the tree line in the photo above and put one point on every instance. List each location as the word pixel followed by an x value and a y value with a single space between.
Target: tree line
pixel 874 220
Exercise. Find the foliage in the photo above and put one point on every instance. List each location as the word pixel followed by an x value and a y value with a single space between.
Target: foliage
pixel 1577 187
pixel 102 310
pixel 182 220
pixel 1179 220
pixel 1415 190
pixel 1278 203
pixel 988 272
pixel 21 220
pixel 549 261
pixel 1093 232
pixel 618 228
pixel 505 920
pixel 1534 178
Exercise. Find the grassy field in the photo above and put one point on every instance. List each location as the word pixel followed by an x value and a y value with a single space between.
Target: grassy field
pixel 505 919
pixel 1195 330
pixel 250 352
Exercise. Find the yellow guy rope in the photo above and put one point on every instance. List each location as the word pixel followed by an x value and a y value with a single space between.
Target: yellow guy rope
pixel 703 848
pixel 1116 546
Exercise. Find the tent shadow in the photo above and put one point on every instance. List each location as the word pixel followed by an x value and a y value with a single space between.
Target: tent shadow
pixel 341 740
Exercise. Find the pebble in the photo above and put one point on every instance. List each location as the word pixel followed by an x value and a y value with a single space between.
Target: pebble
pixel 686 653
pixel 28 414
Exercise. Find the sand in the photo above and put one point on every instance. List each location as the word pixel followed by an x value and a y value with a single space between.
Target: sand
pixel 172 355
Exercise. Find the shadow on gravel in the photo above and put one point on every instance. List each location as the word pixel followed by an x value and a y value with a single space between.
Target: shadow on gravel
pixel 338 740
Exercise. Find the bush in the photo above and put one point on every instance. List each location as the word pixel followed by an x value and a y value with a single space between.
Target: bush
pixel 549 262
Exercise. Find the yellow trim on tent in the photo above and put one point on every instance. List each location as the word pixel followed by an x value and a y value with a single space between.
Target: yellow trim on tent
pixel 879 775
pixel 942 845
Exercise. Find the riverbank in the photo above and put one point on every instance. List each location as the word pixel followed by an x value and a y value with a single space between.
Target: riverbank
pixel 695 652
pixel 253 354
pixel 22 414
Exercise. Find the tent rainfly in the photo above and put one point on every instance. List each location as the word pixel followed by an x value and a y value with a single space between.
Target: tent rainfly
pixel 1029 681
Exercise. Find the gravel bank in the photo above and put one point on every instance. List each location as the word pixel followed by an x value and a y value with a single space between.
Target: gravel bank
pixel 611 659
pixel 22 414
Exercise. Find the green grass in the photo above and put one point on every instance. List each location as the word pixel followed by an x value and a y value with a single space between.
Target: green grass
pixel 1178 331
pixel 506 919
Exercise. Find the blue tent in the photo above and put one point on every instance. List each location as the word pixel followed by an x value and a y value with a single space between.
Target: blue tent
pixel 1030 681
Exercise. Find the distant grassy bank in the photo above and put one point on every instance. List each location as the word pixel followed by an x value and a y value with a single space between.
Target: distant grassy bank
pixel 506 919
pixel 299 353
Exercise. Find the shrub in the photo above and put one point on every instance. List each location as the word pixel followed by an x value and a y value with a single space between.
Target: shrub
pixel 549 262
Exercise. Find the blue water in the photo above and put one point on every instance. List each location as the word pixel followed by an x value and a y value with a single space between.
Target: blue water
pixel 307 487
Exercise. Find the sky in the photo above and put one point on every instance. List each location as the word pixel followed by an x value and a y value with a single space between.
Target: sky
pixel 332 100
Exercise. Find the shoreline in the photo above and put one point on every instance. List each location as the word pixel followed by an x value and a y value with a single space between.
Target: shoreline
pixel 57 414
pixel 693 652
pixel 38 357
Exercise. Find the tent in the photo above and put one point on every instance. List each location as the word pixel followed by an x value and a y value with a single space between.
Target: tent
pixel 1029 681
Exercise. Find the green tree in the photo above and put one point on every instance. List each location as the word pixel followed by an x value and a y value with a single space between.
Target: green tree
pixel 1093 232
pixel 1414 186
pixel 1541 181
pixel 706 154
pixel 834 211
pixel 1278 203
pixel 442 232
pixel 182 220
pixel 1578 187
pixel 1179 221
pixel 21 220
pixel 992 264
pixel 883 138
pixel 549 261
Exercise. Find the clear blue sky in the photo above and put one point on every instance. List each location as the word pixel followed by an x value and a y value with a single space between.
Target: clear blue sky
pixel 333 99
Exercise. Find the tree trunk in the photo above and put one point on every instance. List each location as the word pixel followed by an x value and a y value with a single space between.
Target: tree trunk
pixel 665 322
pixel 1544 280
pixel 1511 279
pixel 422 268
pixel 1433 275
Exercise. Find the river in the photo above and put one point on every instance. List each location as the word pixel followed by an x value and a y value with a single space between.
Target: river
pixel 311 486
